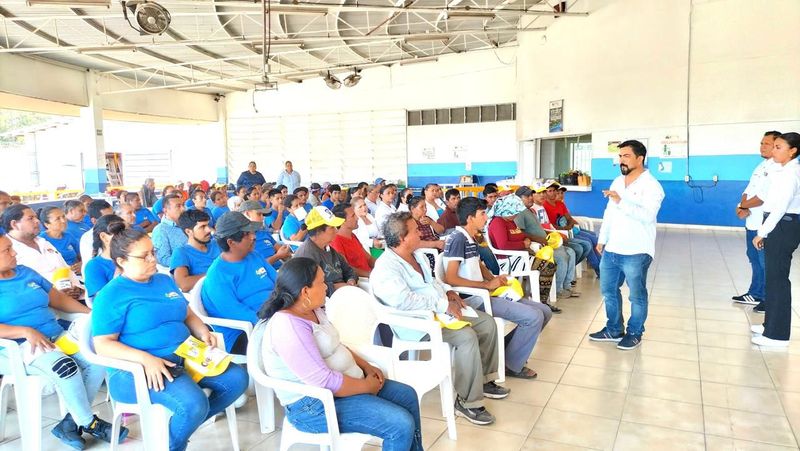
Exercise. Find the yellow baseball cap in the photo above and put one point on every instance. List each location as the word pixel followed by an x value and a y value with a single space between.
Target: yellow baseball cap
pixel 319 216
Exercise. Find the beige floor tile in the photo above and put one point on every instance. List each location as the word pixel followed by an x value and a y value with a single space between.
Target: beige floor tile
pixel 561 337
pixel 603 355
pixel 791 403
pixel 532 392
pixel 575 429
pixel 664 413
pixel 432 430
pixel 748 426
pixel 536 444
pixel 662 387
pixel 735 315
pixel 571 325
pixel 553 353
pixel 216 436
pixel 547 371
pixel 722 327
pixel 603 379
pixel 736 375
pixel 512 417
pixel 665 310
pixel 786 380
pixel 750 399
pixel 728 341
pixel 670 335
pixel 782 361
pixel 638 437
pixel 669 350
pixel 478 439
pixel 714 443
pixel 588 401
pixel 669 322
pixel 731 356
pixel 661 366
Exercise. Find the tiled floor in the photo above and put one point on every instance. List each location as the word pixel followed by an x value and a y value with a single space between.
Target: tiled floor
pixel 695 383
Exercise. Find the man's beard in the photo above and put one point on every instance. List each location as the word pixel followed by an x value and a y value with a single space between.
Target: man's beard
pixel 624 169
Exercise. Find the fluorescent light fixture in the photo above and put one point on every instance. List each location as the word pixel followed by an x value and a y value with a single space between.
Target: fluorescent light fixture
pixel 424 59
pixel 106 48
pixel 466 14
pixel 74 3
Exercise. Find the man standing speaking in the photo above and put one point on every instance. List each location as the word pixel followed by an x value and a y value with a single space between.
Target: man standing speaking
pixel 627 243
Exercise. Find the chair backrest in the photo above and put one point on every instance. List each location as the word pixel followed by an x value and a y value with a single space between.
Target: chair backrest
pixel 352 312
pixel 196 300
pixel 509 261
pixel 438 268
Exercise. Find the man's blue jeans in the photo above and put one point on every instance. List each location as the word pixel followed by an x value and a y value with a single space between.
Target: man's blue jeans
pixel 614 270
pixel 392 414
pixel 186 399
pixel 757 266
pixel 565 267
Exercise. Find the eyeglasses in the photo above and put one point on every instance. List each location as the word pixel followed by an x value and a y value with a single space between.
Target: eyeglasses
pixel 148 256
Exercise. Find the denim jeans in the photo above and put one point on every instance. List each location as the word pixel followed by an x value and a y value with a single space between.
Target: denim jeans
pixel 392 414
pixel 565 267
pixel 75 378
pixel 616 269
pixel 757 267
pixel 530 318
pixel 580 249
pixel 488 259
pixel 186 399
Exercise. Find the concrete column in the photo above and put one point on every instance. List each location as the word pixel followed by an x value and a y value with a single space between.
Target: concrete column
pixel 222 122
pixel 93 149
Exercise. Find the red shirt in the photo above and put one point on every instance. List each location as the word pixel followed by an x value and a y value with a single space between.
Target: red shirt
pixel 506 235
pixel 555 211
pixel 352 251
pixel 448 219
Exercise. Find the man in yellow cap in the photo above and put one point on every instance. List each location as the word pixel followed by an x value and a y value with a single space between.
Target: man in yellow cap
pixel 322 225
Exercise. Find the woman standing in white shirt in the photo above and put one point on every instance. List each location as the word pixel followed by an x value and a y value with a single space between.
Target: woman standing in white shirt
pixel 779 236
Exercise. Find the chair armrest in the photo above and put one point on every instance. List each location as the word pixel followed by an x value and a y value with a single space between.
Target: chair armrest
pixel 136 369
pixel 378 356
pixel 244 326
pixel 481 292
pixel 14 351
pixel 428 326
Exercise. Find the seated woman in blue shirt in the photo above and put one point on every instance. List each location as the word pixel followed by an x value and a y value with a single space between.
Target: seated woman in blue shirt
pixel 142 317
pixel 293 228
pixel 55 224
pixel 25 317
pixel 239 281
pixel 100 269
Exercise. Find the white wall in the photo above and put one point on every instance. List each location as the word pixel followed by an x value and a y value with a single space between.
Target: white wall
pixel 470 143
pixel 622 73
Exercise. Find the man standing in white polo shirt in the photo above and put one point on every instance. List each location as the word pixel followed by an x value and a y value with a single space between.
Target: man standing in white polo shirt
pixel 750 209
pixel 627 243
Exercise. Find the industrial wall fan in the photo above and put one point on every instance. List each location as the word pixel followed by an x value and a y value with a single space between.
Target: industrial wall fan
pixel 150 17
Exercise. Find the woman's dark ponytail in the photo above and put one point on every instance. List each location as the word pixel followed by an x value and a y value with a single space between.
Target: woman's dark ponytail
pixel 110 224
pixel 296 274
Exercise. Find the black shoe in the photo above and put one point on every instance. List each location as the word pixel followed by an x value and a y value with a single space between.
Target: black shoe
pixel 69 433
pixel 573 283
pixel 553 308
pixel 102 429
pixel 605 335
pixel 494 391
pixel 759 308
pixel 477 415
pixel 629 342
pixel 747 299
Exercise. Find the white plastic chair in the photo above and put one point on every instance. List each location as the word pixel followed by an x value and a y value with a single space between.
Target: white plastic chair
pixel 518 264
pixel 154 418
pixel 333 440
pixel 439 271
pixel 356 314
pixel 28 394
pixel 293 244
pixel 196 304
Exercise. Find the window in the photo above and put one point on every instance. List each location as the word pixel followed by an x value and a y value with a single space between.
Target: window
pixel 463 115
pixel 560 155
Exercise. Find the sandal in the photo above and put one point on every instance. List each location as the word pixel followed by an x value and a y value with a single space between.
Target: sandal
pixel 526 373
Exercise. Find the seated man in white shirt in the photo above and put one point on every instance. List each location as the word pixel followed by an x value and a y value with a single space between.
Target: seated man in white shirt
pixel 20 223
pixel 402 280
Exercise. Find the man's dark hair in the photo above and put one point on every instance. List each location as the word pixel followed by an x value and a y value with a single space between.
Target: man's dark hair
pixel 492 184
pixel 189 218
pixel 340 210
pixel 215 195
pixel 84 198
pixel 334 188
pixel 12 213
pixel 71 205
pixel 300 189
pixel 223 242
pixel 773 133
pixel 490 188
pixel 637 147
pixel 469 206
pixel 169 198
pixel 96 207
pixel 273 192
pixel 396 228
pixel 452 192
pixel 317 230
pixel 129 197
pixel 287 201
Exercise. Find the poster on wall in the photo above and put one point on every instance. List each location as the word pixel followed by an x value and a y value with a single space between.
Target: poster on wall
pixel 556 116
pixel 674 146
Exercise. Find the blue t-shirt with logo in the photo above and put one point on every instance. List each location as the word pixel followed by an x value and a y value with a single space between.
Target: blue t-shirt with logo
pixel 25 300
pixel 265 246
pixel 143 215
pixel 158 206
pixel 77 229
pixel 196 262
pixel 328 203
pixel 67 245
pixel 291 225
pixel 149 316
pixel 97 273
pixel 237 291
pixel 271 217
pixel 217 212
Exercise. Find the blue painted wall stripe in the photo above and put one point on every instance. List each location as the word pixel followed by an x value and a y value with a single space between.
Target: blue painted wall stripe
pixel 702 167
pixel 95 180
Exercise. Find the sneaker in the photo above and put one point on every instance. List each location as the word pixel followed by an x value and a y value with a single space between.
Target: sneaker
pixel 747 299
pixel 69 433
pixel 605 335
pixel 102 429
pixel 573 283
pixel 566 293
pixel 629 342
pixel 477 415
pixel 494 391
pixel 759 308
pixel 769 342
pixel 757 329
